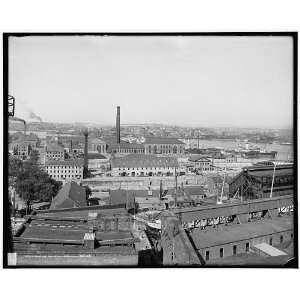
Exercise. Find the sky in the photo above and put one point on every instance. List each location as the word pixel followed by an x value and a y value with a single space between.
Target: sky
pixel 179 80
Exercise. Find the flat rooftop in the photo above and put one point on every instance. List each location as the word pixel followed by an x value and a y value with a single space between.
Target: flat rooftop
pixel 82 213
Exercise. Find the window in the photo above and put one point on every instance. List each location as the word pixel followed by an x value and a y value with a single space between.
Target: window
pixel 281 239
pixel 234 250
pixel 221 252
pixel 247 247
pixel 292 235
pixel 206 255
pixel 271 241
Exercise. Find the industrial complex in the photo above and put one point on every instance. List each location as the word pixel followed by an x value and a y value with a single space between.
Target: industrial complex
pixel 152 201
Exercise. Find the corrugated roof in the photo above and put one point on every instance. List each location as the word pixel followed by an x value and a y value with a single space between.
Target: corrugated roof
pixel 144 161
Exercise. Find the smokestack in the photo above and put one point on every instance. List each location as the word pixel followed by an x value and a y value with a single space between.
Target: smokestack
pixel 118 125
pixel 85 162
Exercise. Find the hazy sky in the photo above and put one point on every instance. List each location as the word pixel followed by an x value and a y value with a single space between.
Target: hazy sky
pixel 194 81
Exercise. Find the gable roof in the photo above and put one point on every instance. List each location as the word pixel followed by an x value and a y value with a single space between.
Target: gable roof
pixel 54 147
pixel 199 157
pixel 70 195
pixel 161 140
pixel 143 161
pixel 96 156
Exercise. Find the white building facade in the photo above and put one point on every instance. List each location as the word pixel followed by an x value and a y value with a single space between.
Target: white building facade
pixel 64 171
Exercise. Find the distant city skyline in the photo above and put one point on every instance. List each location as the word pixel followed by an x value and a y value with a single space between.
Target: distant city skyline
pixel 238 82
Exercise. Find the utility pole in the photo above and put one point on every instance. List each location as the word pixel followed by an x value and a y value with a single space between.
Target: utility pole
pixel 175 186
pixel 271 193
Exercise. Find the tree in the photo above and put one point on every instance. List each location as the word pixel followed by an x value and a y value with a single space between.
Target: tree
pixel 33 184
pixel 15 165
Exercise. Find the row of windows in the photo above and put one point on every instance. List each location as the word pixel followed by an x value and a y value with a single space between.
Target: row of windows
pixel 54 152
pixel 129 150
pixel 57 171
pixel 143 168
pixel 247 247
pixel 62 167
pixel 65 176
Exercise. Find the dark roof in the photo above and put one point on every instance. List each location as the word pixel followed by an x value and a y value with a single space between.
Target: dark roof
pixel 26 137
pixel 69 162
pixel 195 158
pixel 280 170
pixel 70 195
pixel 160 140
pixel 143 160
pixel 124 145
pixel 96 156
pixel 122 197
pixel 53 147
pixel 194 190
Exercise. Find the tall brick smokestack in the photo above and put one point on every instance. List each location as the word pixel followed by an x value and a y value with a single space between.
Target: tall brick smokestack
pixel 118 126
pixel 85 161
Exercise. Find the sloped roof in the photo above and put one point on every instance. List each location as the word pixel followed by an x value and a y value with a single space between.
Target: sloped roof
pixel 70 195
pixel 67 162
pixel 122 197
pixel 201 157
pixel 143 161
pixel 96 156
pixel 161 140
pixel 54 147
pixel 124 145
pixel 236 233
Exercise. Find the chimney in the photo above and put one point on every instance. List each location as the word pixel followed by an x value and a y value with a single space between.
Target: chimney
pixel 118 125
pixel 85 161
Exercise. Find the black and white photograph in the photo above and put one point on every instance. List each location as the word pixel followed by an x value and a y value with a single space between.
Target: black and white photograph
pixel 160 150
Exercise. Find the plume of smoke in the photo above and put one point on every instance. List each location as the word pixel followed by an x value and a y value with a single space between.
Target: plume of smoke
pixel 27 112
pixel 32 115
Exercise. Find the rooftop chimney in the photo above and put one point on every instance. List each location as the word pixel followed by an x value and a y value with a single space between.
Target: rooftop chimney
pixel 85 161
pixel 118 125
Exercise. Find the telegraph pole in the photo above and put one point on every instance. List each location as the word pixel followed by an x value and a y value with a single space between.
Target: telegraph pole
pixel 175 186
pixel 271 193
